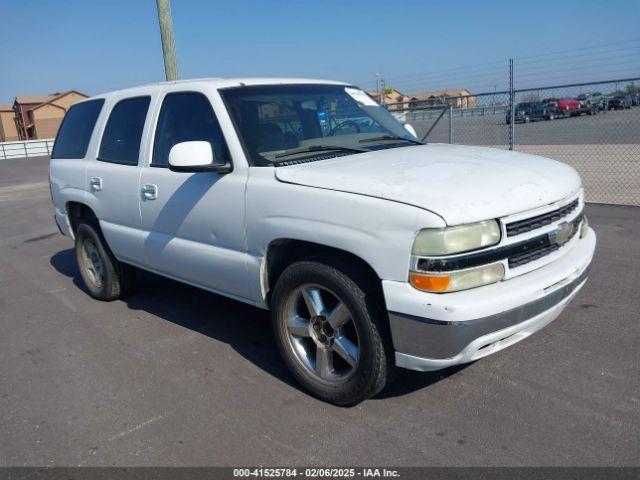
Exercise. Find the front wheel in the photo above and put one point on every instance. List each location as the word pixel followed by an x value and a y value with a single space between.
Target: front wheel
pixel 330 330
pixel 104 277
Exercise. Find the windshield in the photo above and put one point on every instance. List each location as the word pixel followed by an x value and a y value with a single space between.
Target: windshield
pixel 284 123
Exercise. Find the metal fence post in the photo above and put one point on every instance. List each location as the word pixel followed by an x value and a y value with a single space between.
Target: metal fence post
pixel 26 152
pixel 450 124
pixel 512 112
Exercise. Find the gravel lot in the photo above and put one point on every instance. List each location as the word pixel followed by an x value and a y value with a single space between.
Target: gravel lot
pixel 177 376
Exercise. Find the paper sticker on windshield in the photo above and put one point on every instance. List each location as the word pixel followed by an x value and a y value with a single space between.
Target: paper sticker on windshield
pixel 361 97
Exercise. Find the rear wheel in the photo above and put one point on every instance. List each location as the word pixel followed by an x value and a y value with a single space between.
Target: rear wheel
pixel 330 331
pixel 104 277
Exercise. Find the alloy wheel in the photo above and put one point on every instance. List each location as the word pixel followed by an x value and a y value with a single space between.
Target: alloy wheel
pixel 321 333
pixel 92 262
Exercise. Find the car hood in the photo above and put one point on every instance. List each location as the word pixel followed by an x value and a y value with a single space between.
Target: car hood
pixel 460 184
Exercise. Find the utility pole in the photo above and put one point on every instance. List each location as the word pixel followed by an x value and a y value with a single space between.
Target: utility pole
pixel 383 93
pixel 166 33
pixel 378 88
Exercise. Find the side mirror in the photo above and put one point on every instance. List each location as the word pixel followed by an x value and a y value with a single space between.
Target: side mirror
pixel 196 156
pixel 409 128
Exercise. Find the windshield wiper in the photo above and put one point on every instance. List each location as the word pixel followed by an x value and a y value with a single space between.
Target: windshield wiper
pixel 319 148
pixel 390 137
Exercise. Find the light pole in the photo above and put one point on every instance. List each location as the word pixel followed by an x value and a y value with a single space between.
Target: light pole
pixel 166 33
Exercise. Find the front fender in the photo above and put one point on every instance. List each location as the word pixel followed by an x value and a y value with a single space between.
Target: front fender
pixel 378 231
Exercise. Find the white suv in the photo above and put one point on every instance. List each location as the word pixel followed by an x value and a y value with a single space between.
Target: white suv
pixel 307 198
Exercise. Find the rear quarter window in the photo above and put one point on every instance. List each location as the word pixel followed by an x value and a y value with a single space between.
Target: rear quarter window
pixel 74 135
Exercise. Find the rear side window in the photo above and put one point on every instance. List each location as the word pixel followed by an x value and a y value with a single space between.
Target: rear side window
pixel 186 117
pixel 123 133
pixel 74 135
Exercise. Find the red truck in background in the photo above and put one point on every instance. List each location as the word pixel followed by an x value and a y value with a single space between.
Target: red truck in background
pixel 564 106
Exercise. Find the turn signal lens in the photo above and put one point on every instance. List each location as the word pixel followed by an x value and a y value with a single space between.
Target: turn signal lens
pixel 430 283
pixel 460 280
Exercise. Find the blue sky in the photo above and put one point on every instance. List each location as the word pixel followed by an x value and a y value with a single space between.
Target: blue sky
pixel 95 46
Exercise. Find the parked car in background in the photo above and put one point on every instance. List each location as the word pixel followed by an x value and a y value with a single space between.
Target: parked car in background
pixel 620 102
pixel 562 107
pixel 526 112
pixel 591 103
pixel 635 99
pixel 569 106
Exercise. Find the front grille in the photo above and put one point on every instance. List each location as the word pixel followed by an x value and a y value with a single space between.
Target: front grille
pixel 525 258
pixel 543 247
pixel 539 221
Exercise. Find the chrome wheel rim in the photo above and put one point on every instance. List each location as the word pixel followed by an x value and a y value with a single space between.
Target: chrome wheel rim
pixel 92 262
pixel 321 333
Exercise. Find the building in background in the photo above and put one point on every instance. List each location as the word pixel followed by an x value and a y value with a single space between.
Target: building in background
pixel 460 98
pixel 38 117
pixel 8 129
pixel 394 99
pixel 391 98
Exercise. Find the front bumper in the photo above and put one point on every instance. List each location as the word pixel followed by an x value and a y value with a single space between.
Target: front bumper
pixel 433 331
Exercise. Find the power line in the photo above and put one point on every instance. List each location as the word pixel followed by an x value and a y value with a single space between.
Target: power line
pixel 413 79
pixel 579 49
pixel 449 70
pixel 467 70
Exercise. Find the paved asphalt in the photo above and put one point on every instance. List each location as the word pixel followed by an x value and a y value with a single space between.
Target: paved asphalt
pixel 177 376
pixel 615 127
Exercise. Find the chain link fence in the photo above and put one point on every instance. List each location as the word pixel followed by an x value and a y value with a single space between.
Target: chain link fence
pixel 594 127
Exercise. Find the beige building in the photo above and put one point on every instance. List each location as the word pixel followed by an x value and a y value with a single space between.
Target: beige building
pixel 38 117
pixel 459 98
pixel 8 129
pixel 391 98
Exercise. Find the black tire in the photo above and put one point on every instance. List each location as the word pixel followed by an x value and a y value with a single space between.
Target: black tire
pixel 375 367
pixel 551 116
pixel 116 279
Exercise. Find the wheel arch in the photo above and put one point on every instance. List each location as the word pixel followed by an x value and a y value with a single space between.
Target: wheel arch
pixel 78 213
pixel 282 252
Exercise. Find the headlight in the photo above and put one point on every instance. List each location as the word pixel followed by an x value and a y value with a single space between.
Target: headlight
pixel 459 239
pixel 460 280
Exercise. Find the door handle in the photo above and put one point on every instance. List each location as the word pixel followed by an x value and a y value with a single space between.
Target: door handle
pixel 150 191
pixel 95 183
